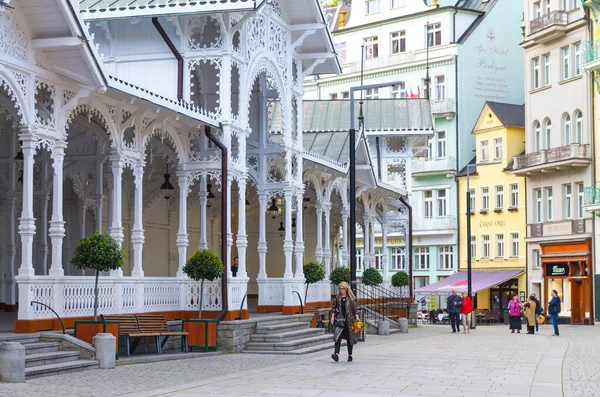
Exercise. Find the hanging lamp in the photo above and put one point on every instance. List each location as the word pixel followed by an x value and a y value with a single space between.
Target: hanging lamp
pixel 167 188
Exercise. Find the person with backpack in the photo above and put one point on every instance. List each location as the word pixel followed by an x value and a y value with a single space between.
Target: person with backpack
pixel 538 310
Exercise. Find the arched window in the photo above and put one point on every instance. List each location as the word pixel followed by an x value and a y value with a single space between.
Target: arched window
pixel 567 129
pixel 548 133
pixel 538 136
pixel 578 126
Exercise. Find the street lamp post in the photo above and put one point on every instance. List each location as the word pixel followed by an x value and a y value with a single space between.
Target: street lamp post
pixel 469 253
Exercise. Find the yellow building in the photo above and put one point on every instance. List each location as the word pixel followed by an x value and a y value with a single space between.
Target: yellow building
pixel 498 208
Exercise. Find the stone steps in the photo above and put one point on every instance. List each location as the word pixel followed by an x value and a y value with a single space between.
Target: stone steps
pixel 60 368
pixel 289 345
pixel 286 327
pixel 34 360
pixel 287 336
pixel 41 347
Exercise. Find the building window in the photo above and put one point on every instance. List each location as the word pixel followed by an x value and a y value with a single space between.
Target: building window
pixel 434 34
pixel 473 247
pixel 578 127
pixel 548 203
pixel 441 144
pixel 422 258
pixel 397 3
pixel 568 201
pixel 398 258
pixel 345 95
pixel 446 258
pixel 499 197
pixel 398 42
pixel 399 90
pixel 538 205
pixel 567 129
pixel 536 73
pixel 485 150
pixel 440 87
pixel 514 195
pixel 547 73
pixel 563 5
pixel 577 48
pixel 359 259
pixel 371 6
pixel 372 93
pixel 580 200
pixel 341 50
pixel 371 47
pixel 485 198
pixel 442 202
pixel 535 259
pixel 333 96
pixel 547 7
pixel 548 128
pixel 500 245
pixel 514 245
pixel 472 199
pixel 485 246
pixel 536 9
pixel 538 136
pixel 565 63
pixel 429 204
pixel 498 152
pixel 378 258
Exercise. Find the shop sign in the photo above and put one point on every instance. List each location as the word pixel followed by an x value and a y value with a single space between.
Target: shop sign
pixel 557 229
pixel 557 270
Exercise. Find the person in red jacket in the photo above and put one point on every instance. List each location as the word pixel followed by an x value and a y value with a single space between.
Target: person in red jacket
pixel 465 312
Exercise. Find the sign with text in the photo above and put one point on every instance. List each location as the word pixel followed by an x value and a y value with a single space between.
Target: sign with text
pixel 557 229
pixel 557 270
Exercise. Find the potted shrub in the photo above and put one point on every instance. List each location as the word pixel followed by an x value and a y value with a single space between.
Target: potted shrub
pixel 313 273
pixel 101 253
pixel 399 280
pixel 339 274
pixel 203 265
pixel 371 276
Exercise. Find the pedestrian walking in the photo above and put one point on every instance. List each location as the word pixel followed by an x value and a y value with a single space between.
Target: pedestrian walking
pixel 454 303
pixel 465 312
pixel 514 311
pixel 530 314
pixel 344 312
pixel 538 311
pixel 553 310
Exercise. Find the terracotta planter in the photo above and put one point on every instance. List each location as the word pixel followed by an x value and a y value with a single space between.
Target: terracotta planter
pixel 202 333
pixel 86 330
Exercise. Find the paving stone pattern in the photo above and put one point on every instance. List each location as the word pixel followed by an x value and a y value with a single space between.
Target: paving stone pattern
pixel 429 361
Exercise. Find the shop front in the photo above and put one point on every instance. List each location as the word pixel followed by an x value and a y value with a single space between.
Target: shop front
pixel 567 268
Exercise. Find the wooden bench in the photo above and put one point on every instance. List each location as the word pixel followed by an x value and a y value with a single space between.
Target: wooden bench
pixel 129 328
pixel 157 324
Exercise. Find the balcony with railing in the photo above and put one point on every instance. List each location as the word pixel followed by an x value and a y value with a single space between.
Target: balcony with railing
pixel 554 19
pixel 574 155
pixel 591 55
pixel 443 107
pixel 438 224
pixel 591 200
pixel 422 166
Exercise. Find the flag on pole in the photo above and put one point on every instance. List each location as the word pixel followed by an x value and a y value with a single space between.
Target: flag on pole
pixel 419 91
pixel 411 94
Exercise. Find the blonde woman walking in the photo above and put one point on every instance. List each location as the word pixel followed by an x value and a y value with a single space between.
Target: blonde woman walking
pixel 344 312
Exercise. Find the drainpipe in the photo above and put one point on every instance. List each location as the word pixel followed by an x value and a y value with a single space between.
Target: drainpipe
pixel 176 53
pixel 378 157
pixel 224 199
pixel 409 247
pixel 454 25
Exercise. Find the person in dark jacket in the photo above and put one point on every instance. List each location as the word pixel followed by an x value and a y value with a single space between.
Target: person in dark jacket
pixel 538 311
pixel 553 310
pixel 454 303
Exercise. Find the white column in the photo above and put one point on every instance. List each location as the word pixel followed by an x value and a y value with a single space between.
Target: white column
pixel 99 194
pixel 299 249
pixel 242 238
pixel 82 216
pixel 384 250
pixel 288 243
pixel 182 235
pixel 137 233
pixel 327 251
pixel 372 244
pixel 116 222
pixel 229 233
pixel 367 241
pixel 319 247
pixel 203 195
pixel 262 236
pixel 345 252
pixel 27 221
pixel 44 247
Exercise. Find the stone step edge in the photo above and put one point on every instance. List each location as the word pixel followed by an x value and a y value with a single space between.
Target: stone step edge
pixel 276 327
pixel 292 342
pixel 40 345
pixel 50 355
pixel 291 334
pixel 51 368
pixel 297 352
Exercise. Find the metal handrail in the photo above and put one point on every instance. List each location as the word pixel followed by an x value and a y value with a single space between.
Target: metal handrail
pixel 55 313
pixel 242 306
pixel 301 306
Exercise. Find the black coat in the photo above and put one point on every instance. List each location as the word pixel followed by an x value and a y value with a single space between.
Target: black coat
pixel 452 308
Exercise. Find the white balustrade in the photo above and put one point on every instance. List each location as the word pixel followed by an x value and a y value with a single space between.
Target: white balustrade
pixel 271 291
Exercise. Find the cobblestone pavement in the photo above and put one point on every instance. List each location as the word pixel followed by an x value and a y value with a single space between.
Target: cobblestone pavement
pixel 429 361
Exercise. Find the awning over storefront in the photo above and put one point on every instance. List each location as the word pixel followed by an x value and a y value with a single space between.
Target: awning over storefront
pixel 458 281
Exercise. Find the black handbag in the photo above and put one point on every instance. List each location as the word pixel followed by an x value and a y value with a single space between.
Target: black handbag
pixel 339 323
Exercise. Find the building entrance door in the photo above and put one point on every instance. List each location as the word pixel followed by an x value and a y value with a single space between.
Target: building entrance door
pixel 577 304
